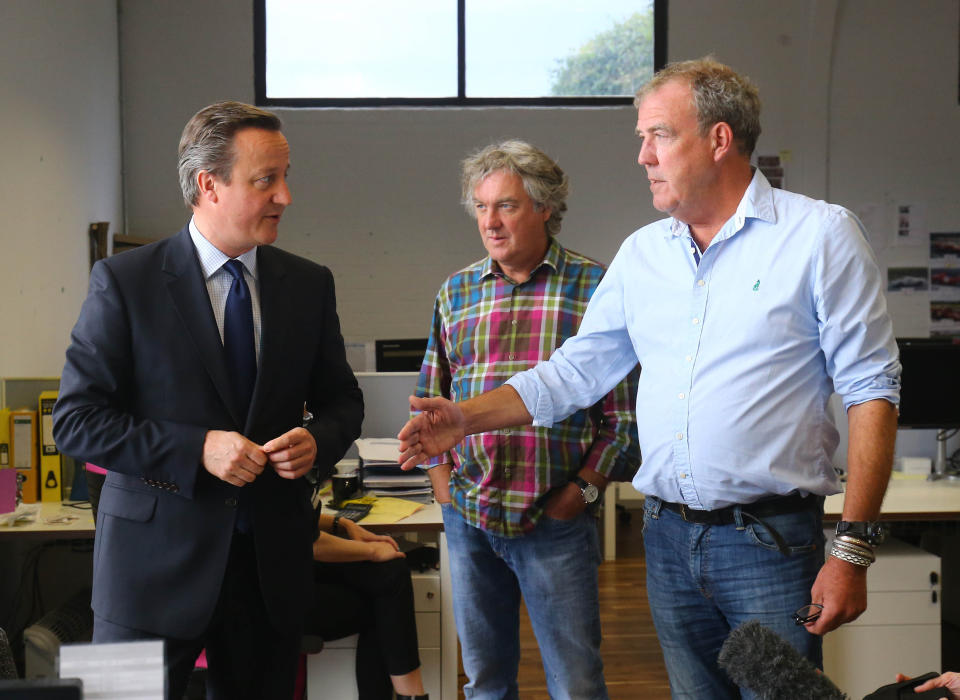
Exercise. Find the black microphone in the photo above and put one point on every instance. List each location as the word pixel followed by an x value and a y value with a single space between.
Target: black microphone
pixel 758 659
pixel 8 669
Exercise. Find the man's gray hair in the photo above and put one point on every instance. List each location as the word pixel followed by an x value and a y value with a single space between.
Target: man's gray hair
pixel 207 142
pixel 543 180
pixel 720 94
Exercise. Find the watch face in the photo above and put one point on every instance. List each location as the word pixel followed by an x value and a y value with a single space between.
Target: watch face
pixel 590 493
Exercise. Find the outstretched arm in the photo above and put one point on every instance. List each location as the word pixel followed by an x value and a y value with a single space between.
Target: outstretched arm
pixel 442 424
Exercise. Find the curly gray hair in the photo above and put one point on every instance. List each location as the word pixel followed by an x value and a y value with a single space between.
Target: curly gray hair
pixel 543 180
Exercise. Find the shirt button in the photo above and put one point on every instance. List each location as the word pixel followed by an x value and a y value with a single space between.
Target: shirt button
pixel 683 476
pixel 679 436
pixel 231 502
pixel 700 283
pixel 681 396
pixel 513 322
pixel 696 321
pixel 511 356
pixel 689 358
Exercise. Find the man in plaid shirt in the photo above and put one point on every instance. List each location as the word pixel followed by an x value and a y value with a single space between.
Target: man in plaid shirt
pixel 517 503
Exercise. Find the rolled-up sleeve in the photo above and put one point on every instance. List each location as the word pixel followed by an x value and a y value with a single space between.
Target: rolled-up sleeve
pixel 856 334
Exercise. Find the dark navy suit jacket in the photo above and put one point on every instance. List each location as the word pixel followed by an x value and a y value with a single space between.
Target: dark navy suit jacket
pixel 145 380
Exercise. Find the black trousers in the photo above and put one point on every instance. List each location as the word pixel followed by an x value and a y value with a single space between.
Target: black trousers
pixel 374 599
pixel 248 658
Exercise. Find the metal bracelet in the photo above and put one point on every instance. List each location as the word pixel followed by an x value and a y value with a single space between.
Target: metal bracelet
pixel 854 559
pixel 854 551
pixel 855 548
pixel 855 541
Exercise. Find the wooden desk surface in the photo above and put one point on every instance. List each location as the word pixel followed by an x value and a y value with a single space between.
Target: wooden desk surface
pixel 55 521
pixel 910 499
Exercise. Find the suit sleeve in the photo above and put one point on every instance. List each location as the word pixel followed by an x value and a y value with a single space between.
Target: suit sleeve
pixel 335 399
pixel 93 420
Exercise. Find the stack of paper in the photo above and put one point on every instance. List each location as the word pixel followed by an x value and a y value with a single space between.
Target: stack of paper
pixel 380 474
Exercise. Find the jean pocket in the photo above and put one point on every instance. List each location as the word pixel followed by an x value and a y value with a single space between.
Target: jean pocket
pixel 801 532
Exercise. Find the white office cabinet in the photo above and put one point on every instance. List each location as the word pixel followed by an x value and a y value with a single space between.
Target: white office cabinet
pixel 900 630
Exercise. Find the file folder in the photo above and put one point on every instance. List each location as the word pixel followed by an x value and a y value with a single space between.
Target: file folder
pixel 50 476
pixel 5 438
pixel 23 451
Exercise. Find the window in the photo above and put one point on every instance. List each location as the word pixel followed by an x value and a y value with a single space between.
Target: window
pixel 455 52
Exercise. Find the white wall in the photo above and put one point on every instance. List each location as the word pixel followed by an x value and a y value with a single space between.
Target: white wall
pixel 375 191
pixel 60 148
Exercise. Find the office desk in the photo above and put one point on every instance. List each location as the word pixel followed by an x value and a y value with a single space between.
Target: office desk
pixel 910 500
pixel 56 521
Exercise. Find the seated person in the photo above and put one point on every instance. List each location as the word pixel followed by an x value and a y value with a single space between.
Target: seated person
pixel 363 586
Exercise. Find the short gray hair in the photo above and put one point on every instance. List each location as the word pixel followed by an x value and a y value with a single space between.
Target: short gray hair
pixel 543 180
pixel 207 142
pixel 720 94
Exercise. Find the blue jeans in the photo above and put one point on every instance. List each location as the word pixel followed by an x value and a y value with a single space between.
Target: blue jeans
pixel 704 580
pixel 554 567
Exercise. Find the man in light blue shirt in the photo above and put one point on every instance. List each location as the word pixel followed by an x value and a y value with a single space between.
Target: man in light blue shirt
pixel 746 309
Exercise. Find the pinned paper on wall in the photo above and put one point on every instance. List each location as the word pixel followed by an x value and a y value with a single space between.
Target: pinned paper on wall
pixel 907 279
pixel 945 283
pixel 911 225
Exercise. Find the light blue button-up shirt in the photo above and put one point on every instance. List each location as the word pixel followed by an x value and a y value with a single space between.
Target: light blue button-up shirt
pixel 739 354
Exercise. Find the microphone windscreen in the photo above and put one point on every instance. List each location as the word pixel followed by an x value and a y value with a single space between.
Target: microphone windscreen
pixel 758 659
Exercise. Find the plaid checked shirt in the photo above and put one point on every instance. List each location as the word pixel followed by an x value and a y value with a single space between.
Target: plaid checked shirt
pixel 485 330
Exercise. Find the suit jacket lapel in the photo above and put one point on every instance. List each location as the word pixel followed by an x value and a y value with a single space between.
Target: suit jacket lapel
pixel 192 302
pixel 276 316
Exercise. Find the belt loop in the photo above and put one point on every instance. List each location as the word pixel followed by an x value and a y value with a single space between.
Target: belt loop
pixel 738 517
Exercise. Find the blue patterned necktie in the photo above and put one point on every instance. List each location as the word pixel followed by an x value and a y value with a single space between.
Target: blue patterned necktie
pixel 241 356
pixel 238 338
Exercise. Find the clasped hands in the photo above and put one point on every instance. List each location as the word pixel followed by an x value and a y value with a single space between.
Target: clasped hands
pixel 231 457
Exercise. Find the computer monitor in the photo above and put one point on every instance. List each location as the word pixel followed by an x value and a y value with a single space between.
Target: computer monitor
pixel 404 355
pixel 930 391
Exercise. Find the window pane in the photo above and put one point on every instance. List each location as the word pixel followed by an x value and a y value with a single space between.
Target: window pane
pixel 363 48
pixel 544 48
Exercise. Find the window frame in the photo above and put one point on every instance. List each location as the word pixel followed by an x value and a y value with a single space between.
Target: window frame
pixel 461 100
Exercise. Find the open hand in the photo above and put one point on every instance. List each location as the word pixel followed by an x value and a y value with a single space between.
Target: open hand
pixel 438 428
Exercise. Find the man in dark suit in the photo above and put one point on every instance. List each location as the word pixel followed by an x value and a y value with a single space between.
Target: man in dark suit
pixel 188 375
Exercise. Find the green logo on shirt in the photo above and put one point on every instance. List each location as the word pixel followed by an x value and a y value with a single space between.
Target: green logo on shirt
pixel 756 286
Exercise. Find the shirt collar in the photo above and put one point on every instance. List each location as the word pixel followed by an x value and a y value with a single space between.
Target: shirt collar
pixel 553 259
pixel 212 258
pixel 756 203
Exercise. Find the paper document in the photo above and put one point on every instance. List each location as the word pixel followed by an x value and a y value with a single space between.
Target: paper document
pixel 121 671
pixel 379 449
